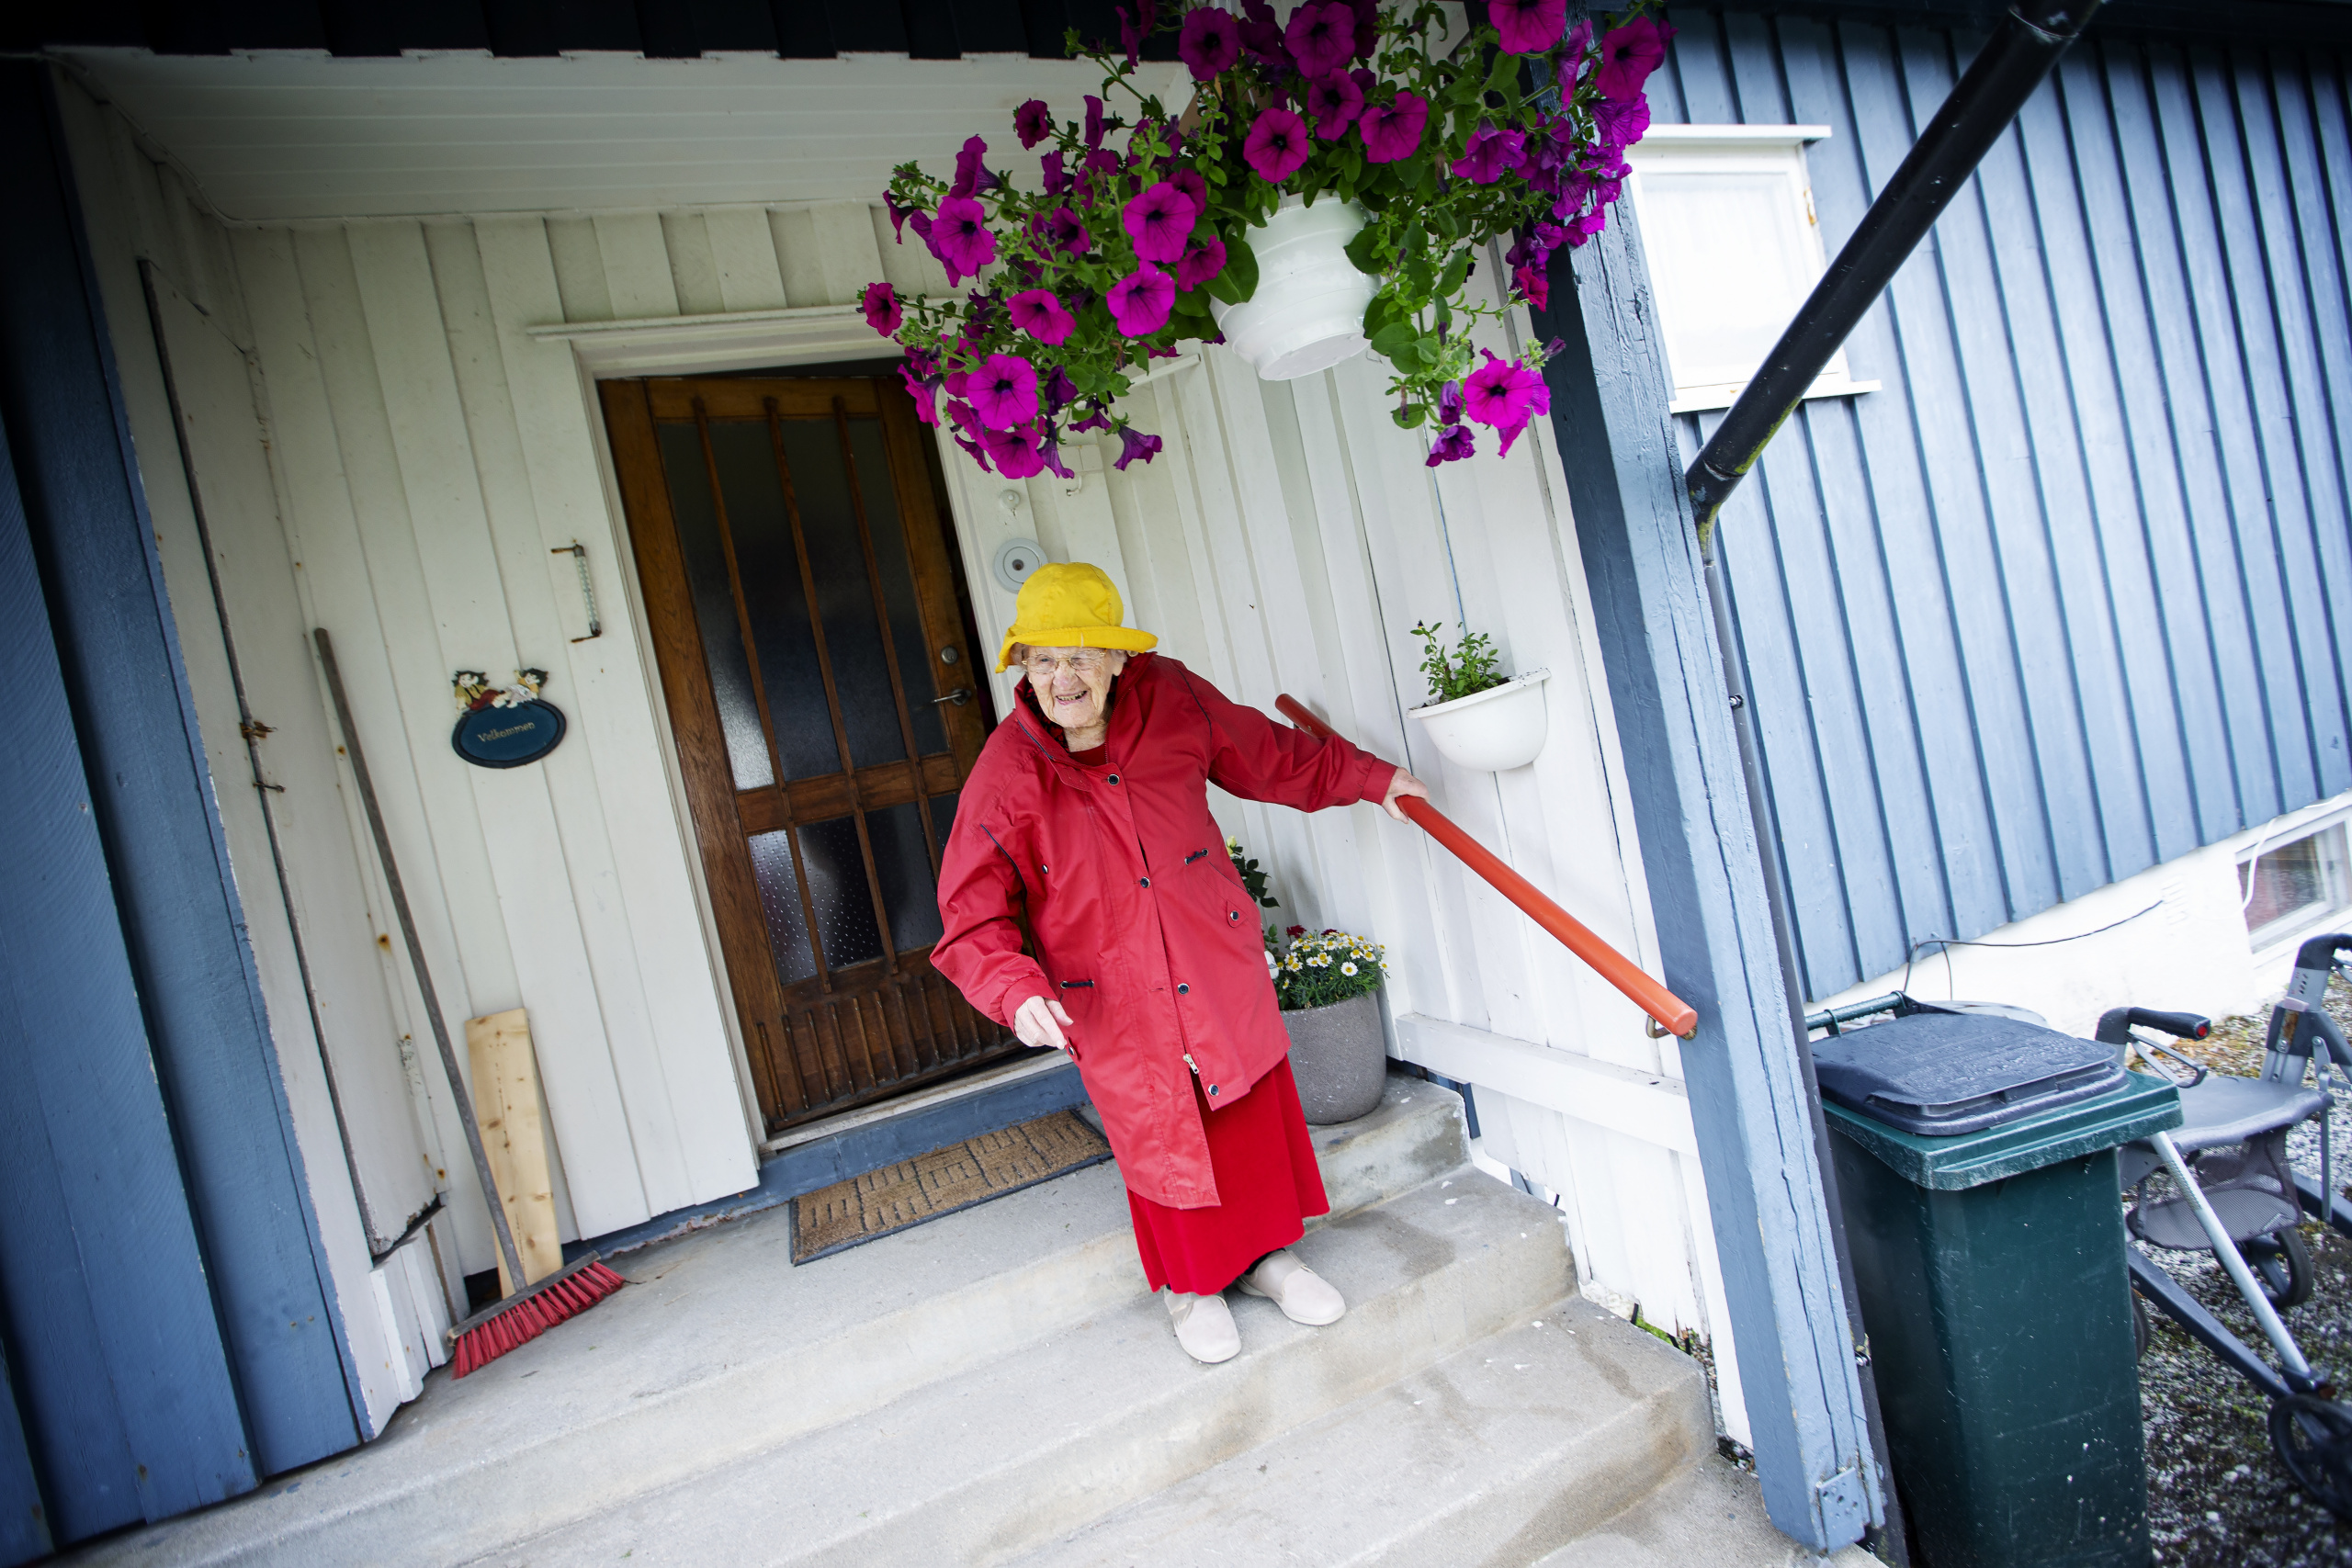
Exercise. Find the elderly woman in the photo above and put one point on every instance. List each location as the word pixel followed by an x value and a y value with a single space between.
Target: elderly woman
pixel 1087 818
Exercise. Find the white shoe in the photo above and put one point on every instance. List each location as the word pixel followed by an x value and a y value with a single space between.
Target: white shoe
pixel 1205 1327
pixel 1303 1295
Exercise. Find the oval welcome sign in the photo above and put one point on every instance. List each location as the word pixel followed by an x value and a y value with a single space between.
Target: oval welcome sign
pixel 490 737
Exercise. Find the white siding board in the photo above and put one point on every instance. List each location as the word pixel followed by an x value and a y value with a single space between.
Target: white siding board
pixel 906 266
pixel 579 269
pixel 694 270
pixel 636 265
pixel 742 254
pixel 456 566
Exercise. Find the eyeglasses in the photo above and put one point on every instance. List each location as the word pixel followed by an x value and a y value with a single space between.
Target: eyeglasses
pixel 1082 661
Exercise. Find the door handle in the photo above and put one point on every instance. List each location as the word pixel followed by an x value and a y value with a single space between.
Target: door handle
pixel 959 696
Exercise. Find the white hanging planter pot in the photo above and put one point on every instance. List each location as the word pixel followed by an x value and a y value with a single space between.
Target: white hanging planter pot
pixel 1502 726
pixel 1307 312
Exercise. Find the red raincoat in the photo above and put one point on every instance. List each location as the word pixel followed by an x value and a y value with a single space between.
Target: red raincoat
pixel 1142 928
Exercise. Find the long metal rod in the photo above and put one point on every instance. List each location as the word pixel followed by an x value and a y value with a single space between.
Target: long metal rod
pixel 2003 76
pixel 2233 1261
pixel 2150 1280
pixel 1673 1014
pixel 516 1279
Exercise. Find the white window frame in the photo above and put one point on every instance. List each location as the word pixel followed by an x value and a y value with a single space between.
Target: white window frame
pixel 1757 149
pixel 2285 930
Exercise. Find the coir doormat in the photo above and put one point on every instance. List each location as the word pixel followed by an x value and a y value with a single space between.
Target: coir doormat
pixel 864 1208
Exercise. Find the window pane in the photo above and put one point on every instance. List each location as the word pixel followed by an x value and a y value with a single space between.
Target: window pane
pixel 781 638
pixel 903 864
pixel 836 888
pixel 913 649
pixel 2295 883
pixel 722 634
pixel 780 901
pixel 1731 265
pixel 844 593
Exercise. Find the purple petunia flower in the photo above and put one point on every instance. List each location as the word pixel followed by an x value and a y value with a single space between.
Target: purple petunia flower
pixel 1535 286
pixel 1277 143
pixel 1628 55
pixel 961 238
pixel 1140 302
pixel 1014 452
pixel 1322 38
pixel 1096 420
pixel 1261 36
pixel 1057 178
pixel 1032 122
pixel 1041 314
pixel 1061 390
pixel 1450 403
pixel 1158 222
pixel 1063 230
pixel 923 392
pixel 1003 391
pixel 1203 259
pixel 1452 443
pixel 1189 182
pixel 1334 101
pixel 1210 42
pixel 1573 56
pixel 1617 124
pixel 1094 124
pixel 1586 226
pixel 1491 155
pixel 1134 444
pixel 882 311
pixel 1392 132
pixel 969 174
pixel 1528 26
pixel 1507 395
pixel 1050 454
pixel 899 216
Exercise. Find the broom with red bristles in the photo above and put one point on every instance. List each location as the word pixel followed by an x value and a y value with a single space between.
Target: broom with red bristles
pixel 532 1309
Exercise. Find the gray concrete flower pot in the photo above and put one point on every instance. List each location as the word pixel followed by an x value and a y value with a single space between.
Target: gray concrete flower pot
pixel 1340 1058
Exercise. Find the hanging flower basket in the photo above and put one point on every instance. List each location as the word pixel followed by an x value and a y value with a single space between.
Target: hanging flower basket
pixel 1502 728
pixel 1144 228
pixel 1308 311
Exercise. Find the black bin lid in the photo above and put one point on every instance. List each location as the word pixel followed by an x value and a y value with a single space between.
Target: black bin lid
pixel 1943 1074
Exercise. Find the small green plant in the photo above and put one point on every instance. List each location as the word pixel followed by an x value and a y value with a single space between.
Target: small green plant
pixel 1253 877
pixel 1472 667
pixel 1323 967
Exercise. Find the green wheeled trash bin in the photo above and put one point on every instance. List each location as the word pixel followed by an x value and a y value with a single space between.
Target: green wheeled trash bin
pixel 1976 1168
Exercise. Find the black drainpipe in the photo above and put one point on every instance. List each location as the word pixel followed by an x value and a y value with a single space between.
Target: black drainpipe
pixel 1978 113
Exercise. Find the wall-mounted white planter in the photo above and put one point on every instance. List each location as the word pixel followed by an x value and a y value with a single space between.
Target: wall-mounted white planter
pixel 1502 726
pixel 1307 312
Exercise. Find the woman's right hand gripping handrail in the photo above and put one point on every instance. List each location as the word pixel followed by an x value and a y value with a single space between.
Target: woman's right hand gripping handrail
pixel 1674 1015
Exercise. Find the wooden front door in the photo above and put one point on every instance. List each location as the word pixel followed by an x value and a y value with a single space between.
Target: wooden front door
pixel 801 593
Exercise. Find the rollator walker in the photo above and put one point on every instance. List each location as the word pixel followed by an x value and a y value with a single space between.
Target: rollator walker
pixel 2221 1183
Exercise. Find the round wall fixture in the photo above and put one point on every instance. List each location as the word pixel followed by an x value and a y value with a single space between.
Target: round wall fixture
pixel 1015 560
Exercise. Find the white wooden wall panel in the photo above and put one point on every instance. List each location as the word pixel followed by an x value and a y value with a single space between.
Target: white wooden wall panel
pixel 742 254
pixel 643 894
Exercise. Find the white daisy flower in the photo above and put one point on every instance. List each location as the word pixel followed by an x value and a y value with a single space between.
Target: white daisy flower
pixel 1347 968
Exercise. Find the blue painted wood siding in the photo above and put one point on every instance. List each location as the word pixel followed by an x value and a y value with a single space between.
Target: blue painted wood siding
pixel 2069 597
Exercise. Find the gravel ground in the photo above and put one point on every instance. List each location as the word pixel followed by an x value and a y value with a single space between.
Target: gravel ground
pixel 2218 1498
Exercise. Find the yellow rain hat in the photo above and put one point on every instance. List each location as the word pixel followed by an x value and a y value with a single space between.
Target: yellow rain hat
pixel 1070 604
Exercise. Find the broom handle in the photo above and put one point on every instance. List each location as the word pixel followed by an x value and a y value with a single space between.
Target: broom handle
pixel 417 962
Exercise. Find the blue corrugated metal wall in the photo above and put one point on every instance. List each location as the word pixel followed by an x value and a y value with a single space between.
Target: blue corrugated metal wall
pixel 2063 601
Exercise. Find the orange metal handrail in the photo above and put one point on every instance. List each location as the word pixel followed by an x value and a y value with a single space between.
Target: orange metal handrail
pixel 1673 1014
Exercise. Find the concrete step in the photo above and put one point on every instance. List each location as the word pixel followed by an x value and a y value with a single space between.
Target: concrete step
pixel 1710 1515
pixel 981 1468
pixel 1534 1435
pixel 721 1348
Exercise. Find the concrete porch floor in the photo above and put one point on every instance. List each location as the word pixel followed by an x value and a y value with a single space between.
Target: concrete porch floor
pixel 729 1407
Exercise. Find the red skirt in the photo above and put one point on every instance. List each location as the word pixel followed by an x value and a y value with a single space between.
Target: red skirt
pixel 1264 1163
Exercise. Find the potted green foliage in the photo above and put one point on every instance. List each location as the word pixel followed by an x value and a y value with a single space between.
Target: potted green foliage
pixel 1332 183
pixel 1478 716
pixel 1326 982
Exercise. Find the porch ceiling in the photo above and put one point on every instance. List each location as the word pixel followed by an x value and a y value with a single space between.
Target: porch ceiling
pixel 273 136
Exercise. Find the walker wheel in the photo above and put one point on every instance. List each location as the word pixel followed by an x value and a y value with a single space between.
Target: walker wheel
pixel 2312 1437
pixel 2141 1329
pixel 2281 1261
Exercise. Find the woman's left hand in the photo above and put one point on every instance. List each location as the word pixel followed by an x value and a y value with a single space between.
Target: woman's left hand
pixel 1403 784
